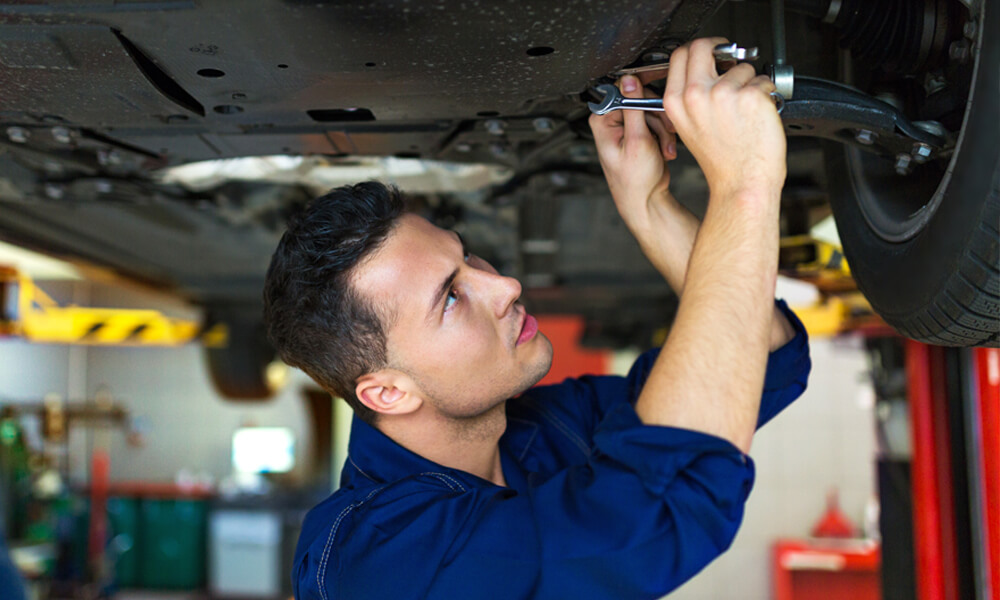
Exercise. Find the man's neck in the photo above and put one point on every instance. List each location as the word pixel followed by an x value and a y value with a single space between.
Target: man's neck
pixel 469 445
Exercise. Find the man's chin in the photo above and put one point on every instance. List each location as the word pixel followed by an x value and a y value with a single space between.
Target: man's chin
pixel 543 361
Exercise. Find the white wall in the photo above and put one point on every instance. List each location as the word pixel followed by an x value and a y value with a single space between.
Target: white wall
pixel 824 440
pixel 189 425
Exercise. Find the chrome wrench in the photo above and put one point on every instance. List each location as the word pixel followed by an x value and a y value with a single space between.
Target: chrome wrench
pixel 613 99
pixel 723 53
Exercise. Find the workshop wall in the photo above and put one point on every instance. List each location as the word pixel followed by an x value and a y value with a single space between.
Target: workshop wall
pixel 187 424
pixel 190 426
pixel 29 371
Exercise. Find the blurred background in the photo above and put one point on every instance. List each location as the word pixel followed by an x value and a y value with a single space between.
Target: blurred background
pixel 126 474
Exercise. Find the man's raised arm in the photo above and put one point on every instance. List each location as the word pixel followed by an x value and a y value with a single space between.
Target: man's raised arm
pixel 710 373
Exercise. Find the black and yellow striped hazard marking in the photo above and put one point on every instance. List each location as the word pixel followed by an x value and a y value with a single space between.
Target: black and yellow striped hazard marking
pixel 38 318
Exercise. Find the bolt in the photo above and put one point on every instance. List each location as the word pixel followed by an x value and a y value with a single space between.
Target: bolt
pixel 969 29
pixel 463 147
pixel 921 152
pixel 543 125
pixel 934 84
pixel 61 135
pixel 495 126
pixel 239 96
pixel 18 135
pixel 866 137
pixel 559 179
pixel 498 150
pixel 54 191
pixel 959 51
pixel 580 153
pixel 903 163
pixel 52 167
pixel 103 186
pixel 933 128
pixel 109 157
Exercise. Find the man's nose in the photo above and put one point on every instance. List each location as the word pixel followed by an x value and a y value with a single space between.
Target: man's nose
pixel 506 291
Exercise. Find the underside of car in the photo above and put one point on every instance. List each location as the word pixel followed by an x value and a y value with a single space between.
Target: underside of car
pixel 891 108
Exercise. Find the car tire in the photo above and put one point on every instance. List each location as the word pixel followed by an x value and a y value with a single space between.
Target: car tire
pixel 239 369
pixel 924 248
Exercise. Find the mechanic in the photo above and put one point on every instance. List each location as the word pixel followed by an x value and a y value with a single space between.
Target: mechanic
pixel 599 487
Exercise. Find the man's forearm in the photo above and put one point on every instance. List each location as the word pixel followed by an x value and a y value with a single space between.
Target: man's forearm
pixel 711 371
pixel 668 237
pixel 668 244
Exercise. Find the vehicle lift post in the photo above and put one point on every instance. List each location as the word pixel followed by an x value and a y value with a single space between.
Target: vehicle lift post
pixel 954 398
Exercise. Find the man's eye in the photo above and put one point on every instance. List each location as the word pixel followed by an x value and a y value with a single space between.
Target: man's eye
pixel 450 301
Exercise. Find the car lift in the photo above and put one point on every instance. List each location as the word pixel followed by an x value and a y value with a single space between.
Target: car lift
pixel 842 307
pixel 28 312
pixel 954 399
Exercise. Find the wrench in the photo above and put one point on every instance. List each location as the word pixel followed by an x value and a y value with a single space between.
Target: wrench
pixel 723 53
pixel 613 100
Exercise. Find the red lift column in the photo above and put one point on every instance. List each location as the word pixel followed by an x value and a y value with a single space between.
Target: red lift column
pixel 986 363
pixel 955 417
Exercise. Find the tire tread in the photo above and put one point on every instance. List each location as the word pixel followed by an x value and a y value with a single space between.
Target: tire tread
pixel 967 309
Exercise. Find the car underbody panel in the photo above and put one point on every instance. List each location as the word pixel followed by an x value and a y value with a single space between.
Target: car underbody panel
pixel 100 98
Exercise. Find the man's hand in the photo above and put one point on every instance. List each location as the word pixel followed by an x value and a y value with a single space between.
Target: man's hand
pixel 634 148
pixel 633 157
pixel 725 121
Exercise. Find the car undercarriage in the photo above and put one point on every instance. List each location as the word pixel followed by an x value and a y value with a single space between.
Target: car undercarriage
pixel 890 107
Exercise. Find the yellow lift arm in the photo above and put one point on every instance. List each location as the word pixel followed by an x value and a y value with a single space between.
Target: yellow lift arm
pixel 28 312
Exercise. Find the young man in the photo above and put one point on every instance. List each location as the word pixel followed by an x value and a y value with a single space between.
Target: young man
pixel 602 487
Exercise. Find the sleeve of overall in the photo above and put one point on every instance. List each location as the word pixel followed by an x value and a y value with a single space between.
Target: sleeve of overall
pixel 649 509
pixel 664 503
pixel 580 404
pixel 787 371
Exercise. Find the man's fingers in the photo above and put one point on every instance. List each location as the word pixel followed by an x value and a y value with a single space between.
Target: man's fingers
pixel 666 139
pixel 635 122
pixel 606 128
pixel 677 76
pixel 701 60
pixel 763 82
pixel 740 75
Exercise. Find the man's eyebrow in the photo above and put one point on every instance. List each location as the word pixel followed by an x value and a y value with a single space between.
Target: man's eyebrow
pixel 445 286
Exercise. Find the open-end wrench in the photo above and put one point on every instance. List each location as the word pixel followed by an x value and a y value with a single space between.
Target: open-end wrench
pixel 723 53
pixel 613 100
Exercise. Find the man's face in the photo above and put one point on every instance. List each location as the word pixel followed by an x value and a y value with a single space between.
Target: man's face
pixel 459 332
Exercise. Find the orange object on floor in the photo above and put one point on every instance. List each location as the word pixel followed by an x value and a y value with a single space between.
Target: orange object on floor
pixel 827 569
pixel 834 523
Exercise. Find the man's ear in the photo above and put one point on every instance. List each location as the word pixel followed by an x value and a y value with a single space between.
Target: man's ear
pixel 388 392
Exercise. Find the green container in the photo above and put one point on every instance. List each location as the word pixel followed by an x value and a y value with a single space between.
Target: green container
pixel 172 548
pixel 123 523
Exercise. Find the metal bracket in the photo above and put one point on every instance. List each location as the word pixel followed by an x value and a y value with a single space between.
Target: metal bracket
pixel 831 110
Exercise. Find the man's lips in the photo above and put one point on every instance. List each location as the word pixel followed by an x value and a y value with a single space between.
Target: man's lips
pixel 529 327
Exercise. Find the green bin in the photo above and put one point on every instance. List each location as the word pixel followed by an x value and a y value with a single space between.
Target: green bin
pixel 172 548
pixel 123 523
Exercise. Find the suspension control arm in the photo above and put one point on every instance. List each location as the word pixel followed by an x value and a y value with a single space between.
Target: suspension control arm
pixel 831 110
